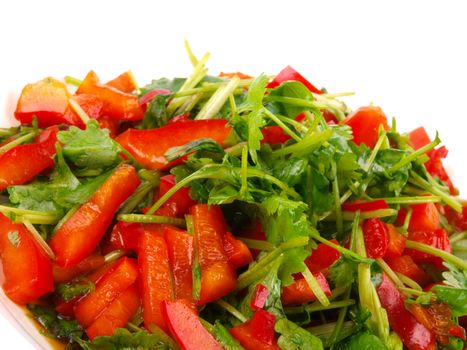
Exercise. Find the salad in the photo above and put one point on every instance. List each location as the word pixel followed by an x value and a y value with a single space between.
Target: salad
pixel 227 212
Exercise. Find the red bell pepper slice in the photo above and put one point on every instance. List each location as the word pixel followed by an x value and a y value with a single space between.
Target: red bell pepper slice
pixel 365 123
pixel 141 145
pixel 376 237
pixel 238 254
pixel 396 244
pixel 117 279
pixel 48 101
pixel 365 206
pixel 274 135
pixel 425 217
pixel 27 269
pixel 179 203
pixel 117 105
pixel 290 74
pixel 81 233
pixel 405 265
pixel 259 298
pixel 419 138
pixel 322 257
pixel 124 82
pixel 116 315
pixel 437 239
pixel 180 246
pixel 91 263
pixel 254 231
pixel 24 162
pixel 147 97
pixel 155 282
pixel 258 332
pixel 125 236
pixel 218 277
pixel 186 328
pixel 413 334
pixel 299 292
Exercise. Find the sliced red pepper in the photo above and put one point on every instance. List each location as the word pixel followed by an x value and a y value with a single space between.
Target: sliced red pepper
pixel 119 278
pixel 218 277
pixel 274 135
pixel 300 292
pixel 112 125
pixel 81 233
pixel 365 206
pixel 116 315
pixel 27 269
pixel 66 308
pixel 376 236
pixel 259 298
pixel 413 334
pixel 156 285
pixel 425 217
pixel 179 203
pixel 147 97
pixel 48 101
pixel 405 265
pixel 237 252
pixel 459 220
pixel 124 82
pixel 437 239
pixel 322 257
pixel 396 244
pixel 125 236
pixel 140 143
pixel 365 123
pixel 24 162
pixel 258 332
pixel 290 74
pixel 186 328
pixel 419 138
pixel 116 104
pixel 91 105
pixel 91 263
pixel 254 231
pixel 180 246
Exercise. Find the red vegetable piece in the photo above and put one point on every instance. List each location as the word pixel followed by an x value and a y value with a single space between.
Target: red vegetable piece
pixel 260 297
pixel 186 328
pixel 365 123
pixel 365 206
pixel 458 332
pixel 235 74
pixel 179 203
pixel 274 135
pixel 24 162
pixel 299 292
pixel 218 277
pixel 322 257
pixel 147 97
pixel 254 231
pixel 396 243
pixel 413 334
pixel 140 143
pixel 290 74
pixel 125 236
pixel 405 265
pixel 124 82
pixel 48 101
pixel 258 332
pixel 237 252
pixel 117 105
pixel 117 279
pixel 437 239
pixel 27 269
pixel 180 246
pixel 425 217
pixel 376 236
pixel 86 265
pixel 419 138
pixel 81 233
pixel 155 281
pixel 116 315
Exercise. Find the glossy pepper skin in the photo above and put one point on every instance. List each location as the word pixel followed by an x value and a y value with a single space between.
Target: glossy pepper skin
pixel 437 239
pixel 27 269
pixel 116 315
pixel 155 281
pixel 117 105
pixel 365 123
pixel 238 254
pixel 322 257
pixel 396 243
pixel 81 233
pixel 365 206
pixel 117 279
pixel 405 265
pixel 179 203
pixel 376 236
pixel 300 292
pixel 290 74
pixel 413 334
pixel 151 154
pixel 186 328
pixel 47 100
pixel 218 277
pixel 24 162
pixel 124 82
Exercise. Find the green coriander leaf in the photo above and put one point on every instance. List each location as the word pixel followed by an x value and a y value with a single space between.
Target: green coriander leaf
pixel 156 112
pixel 68 291
pixel 224 338
pixel 365 341
pixel 293 337
pixel 455 297
pixel 207 147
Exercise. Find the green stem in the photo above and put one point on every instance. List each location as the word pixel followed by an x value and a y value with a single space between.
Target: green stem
pixel 458 237
pixel 319 307
pixel 132 202
pixel 113 255
pixel 230 309
pixel 39 240
pixel 409 282
pixel 244 172
pixel 293 122
pixel 212 87
pixel 340 322
pixel 306 145
pixel 422 247
pixel 236 150
pixel 411 200
pixel 78 110
pixel 18 141
pixel 72 80
pixel 315 287
pixel 284 127
pixel 337 203
pixel 257 244
pixel 350 215
pixel 152 219
pixel 217 100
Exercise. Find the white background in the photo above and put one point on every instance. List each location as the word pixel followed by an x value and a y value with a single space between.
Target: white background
pixel 409 57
